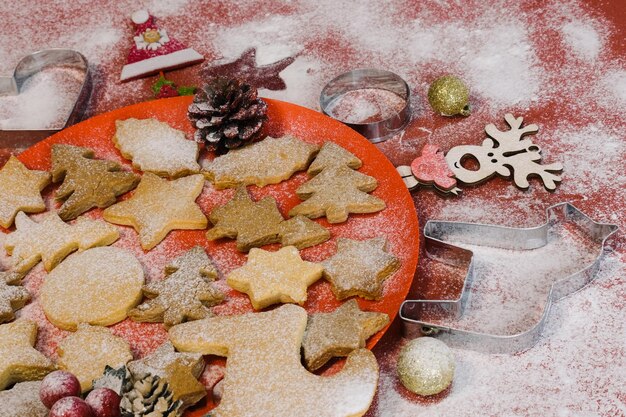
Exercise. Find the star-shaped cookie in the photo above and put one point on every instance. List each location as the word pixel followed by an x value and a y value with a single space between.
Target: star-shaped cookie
pixel 19 360
pixel 12 295
pixel 159 206
pixel 185 294
pixel 180 370
pixel 338 333
pixel 20 190
pixel 156 147
pixel 359 268
pixel 51 240
pixel 275 277
pixel 87 352
pixel 22 400
pixel 264 76
pixel 252 223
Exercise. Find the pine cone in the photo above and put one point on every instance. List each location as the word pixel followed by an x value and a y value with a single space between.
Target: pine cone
pixel 227 113
pixel 150 397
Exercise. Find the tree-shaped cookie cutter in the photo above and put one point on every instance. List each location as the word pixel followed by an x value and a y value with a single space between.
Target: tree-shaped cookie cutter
pixel 437 232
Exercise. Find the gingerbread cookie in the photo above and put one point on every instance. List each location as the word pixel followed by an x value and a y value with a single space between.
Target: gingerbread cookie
pixel 269 161
pixel 51 240
pixel 98 286
pixel 186 293
pixel 275 277
pixel 19 360
pixel 180 370
pixel 338 333
pixel 156 147
pixel 264 375
pixel 337 192
pixel 87 182
pixel 360 267
pixel 332 156
pixel 20 190
pixel 86 352
pixel 302 232
pixel 159 206
pixel 12 295
pixel 252 223
pixel 22 400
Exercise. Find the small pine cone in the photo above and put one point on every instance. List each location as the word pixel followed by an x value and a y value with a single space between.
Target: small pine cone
pixel 150 397
pixel 227 113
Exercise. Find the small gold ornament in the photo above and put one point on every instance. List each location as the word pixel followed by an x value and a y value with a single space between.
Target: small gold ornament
pixel 426 366
pixel 449 96
pixel 151 36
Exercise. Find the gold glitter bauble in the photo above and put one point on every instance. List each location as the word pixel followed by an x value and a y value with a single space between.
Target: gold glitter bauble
pixel 449 96
pixel 426 366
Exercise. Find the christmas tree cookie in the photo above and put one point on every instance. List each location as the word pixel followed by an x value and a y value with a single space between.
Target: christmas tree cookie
pixel 360 267
pixel 264 369
pixel 269 161
pixel 275 277
pixel 20 190
pixel 87 182
pixel 337 189
pixel 185 294
pixel 159 206
pixel 156 147
pixel 302 232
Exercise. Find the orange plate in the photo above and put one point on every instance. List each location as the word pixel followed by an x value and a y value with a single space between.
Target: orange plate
pixel 398 222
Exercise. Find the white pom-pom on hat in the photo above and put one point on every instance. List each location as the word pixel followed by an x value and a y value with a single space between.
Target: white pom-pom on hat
pixel 140 16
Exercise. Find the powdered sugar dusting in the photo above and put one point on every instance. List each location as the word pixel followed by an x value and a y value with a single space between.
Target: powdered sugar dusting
pixel 45 100
pixel 583 39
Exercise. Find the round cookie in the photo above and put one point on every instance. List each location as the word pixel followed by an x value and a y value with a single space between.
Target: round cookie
pixel 88 351
pixel 98 286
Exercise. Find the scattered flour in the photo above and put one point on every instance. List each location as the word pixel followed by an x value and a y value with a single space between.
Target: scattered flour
pixel 583 39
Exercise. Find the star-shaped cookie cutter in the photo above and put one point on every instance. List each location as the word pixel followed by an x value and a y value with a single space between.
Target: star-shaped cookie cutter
pixel 29 66
pixel 436 234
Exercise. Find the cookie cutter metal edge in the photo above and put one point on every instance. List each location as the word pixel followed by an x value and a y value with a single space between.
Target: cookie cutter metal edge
pixel 30 65
pixel 359 79
pixel 504 238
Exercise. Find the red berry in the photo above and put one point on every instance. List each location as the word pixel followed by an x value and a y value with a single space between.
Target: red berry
pixel 167 91
pixel 57 385
pixel 71 407
pixel 104 402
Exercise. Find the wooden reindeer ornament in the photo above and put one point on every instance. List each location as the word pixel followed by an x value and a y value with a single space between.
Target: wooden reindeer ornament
pixel 505 153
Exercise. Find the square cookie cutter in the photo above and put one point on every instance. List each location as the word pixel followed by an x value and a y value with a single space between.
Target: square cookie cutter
pixel 437 232
pixel 27 67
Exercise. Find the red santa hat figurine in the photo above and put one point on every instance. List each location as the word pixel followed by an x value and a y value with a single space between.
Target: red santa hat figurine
pixel 154 50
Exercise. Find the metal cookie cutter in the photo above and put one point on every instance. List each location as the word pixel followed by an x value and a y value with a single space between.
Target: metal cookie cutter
pixel 436 232
pixel 375 79
pixel 30 65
